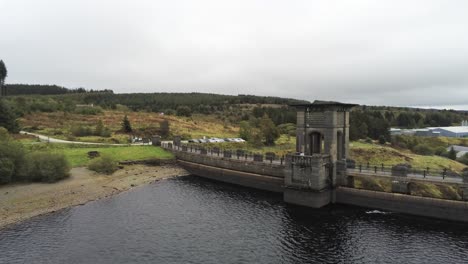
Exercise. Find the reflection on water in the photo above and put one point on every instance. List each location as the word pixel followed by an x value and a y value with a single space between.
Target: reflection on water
pixel 191 220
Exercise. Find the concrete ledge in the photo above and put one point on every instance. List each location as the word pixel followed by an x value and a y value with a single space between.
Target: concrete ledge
pixel 414 205
pixel 272 170
pixel 307 198
pixel 251 180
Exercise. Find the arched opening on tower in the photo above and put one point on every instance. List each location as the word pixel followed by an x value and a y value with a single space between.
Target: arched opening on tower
pixel 340 151
pixel 316 146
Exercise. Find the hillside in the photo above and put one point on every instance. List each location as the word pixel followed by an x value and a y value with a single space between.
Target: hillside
pixel 378 154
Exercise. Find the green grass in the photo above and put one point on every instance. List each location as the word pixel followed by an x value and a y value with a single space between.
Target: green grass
pixel 379 154
pixel 77 155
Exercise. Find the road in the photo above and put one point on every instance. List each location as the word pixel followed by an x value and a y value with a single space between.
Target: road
pixel 56 140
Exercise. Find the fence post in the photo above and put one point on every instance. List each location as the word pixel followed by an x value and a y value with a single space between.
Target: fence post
pixel 382 167
pixel 360 167
pixel 375 169
pixel 445 172
pixel 368 165
pixel 424 173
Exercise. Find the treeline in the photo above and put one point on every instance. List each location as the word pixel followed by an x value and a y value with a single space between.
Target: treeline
pixel 375 122
pixel 281 115
pixel 184 104
pixel 32 89
pixel 158 102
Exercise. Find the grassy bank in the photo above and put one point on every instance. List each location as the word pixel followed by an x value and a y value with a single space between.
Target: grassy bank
pixel 439 191
pixel 378 154
pixel 77 155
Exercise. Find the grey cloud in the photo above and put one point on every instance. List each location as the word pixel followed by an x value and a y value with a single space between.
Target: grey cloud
pixel 373 52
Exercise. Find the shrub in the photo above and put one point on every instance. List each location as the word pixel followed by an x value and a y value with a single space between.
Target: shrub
pixel 8 116
pixel 287 129
pixel 423 149
pixel 369 140
pixel 463 159
pixel 184 111
pixel 81 131
pixel 14 153
pixel 441 151
pixel 382 139
pixel 104 164
pixel 7 167
pixel 46 166
pixel 452 154
pixel 101 130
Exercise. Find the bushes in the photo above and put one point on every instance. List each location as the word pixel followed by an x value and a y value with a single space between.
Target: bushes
pixel 83 131
pixel 11 157
pixel 382 140
pixel 8 116
pixel 184 111
pixel 104 164
pixel 46 167
pixel 423 149
pixel 6 170
pixel 15 165
pixel 463 159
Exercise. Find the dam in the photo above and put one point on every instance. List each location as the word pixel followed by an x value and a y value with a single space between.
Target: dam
pixel 320 172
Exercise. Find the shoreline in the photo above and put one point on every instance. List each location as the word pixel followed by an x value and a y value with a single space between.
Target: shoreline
pixel 22 201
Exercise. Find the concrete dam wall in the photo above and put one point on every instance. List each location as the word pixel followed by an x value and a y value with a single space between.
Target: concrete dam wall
pixel 273 177
pixel 258 175
pixel 414 205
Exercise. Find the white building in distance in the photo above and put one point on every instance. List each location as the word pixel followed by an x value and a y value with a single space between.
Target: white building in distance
pixel 453 131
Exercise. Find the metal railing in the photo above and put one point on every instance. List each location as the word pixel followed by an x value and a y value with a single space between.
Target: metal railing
pixel 399 170
pixel 308 161
pixel 237 154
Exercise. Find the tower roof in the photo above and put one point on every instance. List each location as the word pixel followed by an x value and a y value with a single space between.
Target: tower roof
pixel 325 104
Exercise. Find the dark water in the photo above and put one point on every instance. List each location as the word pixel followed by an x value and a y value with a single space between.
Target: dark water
pixel 191 220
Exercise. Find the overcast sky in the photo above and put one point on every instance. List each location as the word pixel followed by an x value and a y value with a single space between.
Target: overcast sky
pixel 412 53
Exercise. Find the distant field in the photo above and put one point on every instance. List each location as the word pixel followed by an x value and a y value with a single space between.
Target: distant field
pixel 58 124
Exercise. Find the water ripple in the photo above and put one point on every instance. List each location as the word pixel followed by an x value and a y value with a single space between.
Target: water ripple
pixel 191 220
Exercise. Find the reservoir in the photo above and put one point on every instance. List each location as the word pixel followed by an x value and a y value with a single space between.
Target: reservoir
pixel 193 220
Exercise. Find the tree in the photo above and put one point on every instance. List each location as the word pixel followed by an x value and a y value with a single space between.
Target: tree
pixel 126 126
pixel 3 75
pixel 184 111
pixel 452 154
pixel 269 130
pixel 245 130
